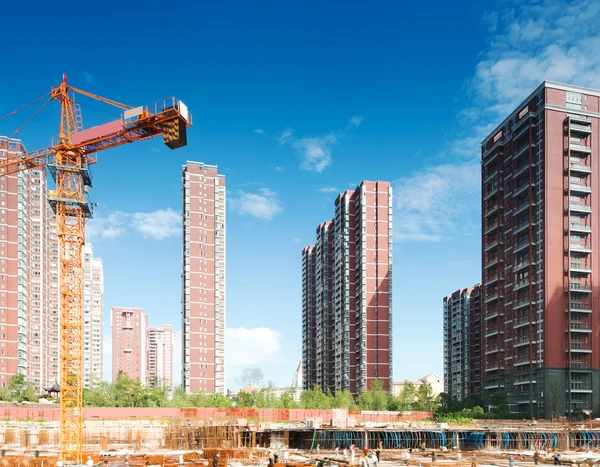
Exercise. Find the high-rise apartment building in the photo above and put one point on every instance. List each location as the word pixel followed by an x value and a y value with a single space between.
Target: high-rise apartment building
pixel 129 343
pixel 161 341
pixel 28 276
pixel 462 348
pixel 203 279
pixel 93 306
pixel 347 294
pixel 541 219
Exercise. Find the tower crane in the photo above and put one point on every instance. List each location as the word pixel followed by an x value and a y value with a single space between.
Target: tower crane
pixel 68 159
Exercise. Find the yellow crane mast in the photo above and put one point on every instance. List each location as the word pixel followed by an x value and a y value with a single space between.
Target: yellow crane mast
pixel 68 160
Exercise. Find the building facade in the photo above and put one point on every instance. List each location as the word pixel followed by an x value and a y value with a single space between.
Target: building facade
pixel 29 276
pixel 347 294
pixel 93 306
pixel 433 380
pixel 161 341
pixel 540 175
pixel 462 334
pixel 203 279
pixel 129 343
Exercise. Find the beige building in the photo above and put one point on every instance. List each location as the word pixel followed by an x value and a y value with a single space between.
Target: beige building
pixel 436 383
pixel 161 340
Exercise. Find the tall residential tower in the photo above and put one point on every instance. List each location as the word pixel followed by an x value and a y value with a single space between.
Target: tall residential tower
pixel 462 349
pixel 129 343
pixel 161 340
pixel 540 241
pixel 347 294
pixel 203 279
pixel 93 306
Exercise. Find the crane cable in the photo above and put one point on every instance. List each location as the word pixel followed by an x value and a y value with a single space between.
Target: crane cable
pixel 24 107
pixel 30 118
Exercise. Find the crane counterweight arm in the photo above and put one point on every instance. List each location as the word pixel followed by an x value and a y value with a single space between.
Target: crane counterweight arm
pixel 168 117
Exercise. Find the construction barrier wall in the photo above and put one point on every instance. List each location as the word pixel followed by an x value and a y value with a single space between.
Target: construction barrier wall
pixel 216 414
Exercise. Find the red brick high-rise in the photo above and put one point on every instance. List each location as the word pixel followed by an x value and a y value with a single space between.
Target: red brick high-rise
pixel 129 343
pixel 347 294
pixel 203 279
pixel 29 276
pixel 540 242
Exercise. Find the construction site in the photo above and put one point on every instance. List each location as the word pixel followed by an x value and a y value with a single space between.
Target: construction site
pixel 30 437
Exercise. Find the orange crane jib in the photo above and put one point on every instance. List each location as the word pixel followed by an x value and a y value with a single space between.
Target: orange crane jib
pixel 69 162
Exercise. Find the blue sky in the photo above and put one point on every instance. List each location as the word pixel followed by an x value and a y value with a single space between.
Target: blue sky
pixel 295 101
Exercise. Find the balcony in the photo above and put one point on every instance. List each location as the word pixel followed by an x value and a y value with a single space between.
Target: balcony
pixel 493 227
pixel 520 189
pixel 521 265
pixel 491 280
pixel 580 148
pixel 578 187
pixel 522 341
pixel 579 168
pixel 524 360
pixel 578 308
pixel 584 268
pixel 580 128
pixel 521 246
pixel 491 297
pixel 578 327
pixel 493 262
pixel 580 248
pixel 489 369
pixel 522 284
pixel 522 150
pixel 521 304
pixel 579 287
pixel 491 193
pixel 581 348
pixel 521 207
pixel 492 244
pixel 491 350
pixel 491 175
pixel 491 210
pixel 521 226
pixel 577 227
pixel 521 322
pixel 492 333
pixel 580 207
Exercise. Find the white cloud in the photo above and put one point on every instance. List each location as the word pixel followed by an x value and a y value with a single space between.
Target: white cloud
pixel 315 152
pixel 286 136
pixel 264 205
pixel 530 41
pixel 157 225
pixel 355 120
pixel 258 131
pixel 251 347
pixel 328 189
pixel 555 40
pixel 112 226
pixel 435 202
pixel 279 169
pixel 89 78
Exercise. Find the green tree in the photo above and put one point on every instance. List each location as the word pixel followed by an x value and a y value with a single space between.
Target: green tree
pixel 379 396
pixel 499 405
pixel 287 400
pixel 314 398
pixel 343 400
pixel 252 381
pixel 407 397
pixel 180 398
pixel 426 400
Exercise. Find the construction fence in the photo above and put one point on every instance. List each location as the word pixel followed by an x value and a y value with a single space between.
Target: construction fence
pixel 214 415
